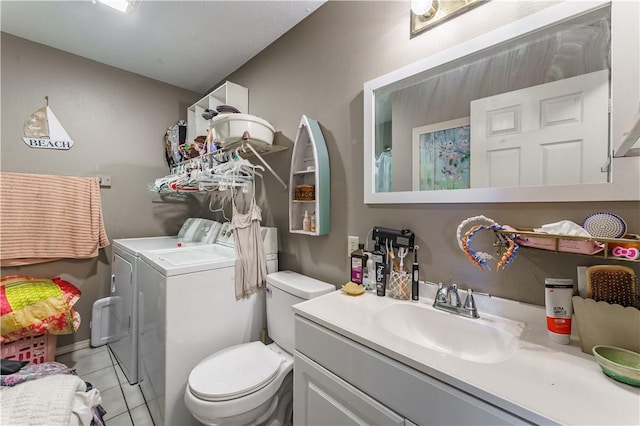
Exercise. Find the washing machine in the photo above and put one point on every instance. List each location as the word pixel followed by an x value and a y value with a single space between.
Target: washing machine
pixel 119 311
pixel 188 310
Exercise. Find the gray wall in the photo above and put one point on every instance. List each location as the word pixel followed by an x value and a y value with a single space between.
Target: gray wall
pixel 117 120
pixel 319 68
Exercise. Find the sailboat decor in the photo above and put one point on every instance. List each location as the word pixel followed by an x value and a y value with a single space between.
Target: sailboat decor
pixel 43 130
pixel 309 182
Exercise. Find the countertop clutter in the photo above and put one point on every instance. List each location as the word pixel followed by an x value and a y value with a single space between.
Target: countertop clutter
pixel 603 234
pixel 539 381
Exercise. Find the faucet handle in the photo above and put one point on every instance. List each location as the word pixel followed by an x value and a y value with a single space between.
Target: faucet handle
pixel 441 294
pixel 470 303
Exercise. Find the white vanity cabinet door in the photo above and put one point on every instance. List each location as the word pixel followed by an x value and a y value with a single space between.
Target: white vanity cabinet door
pixel 322 398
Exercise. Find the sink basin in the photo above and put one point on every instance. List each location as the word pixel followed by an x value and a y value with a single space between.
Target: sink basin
pixel 485 340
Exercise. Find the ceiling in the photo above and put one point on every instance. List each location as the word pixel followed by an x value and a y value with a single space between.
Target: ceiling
pixel 189 44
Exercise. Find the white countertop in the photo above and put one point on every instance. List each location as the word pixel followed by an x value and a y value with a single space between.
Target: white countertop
pixel 542 381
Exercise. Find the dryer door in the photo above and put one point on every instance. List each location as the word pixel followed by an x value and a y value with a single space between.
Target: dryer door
pixel 124 342
pixel 122 288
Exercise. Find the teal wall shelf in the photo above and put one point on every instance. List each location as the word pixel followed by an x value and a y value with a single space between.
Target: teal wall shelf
pixel 309 175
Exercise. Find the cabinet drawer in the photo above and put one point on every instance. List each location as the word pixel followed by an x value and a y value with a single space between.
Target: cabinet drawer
pixel 414 395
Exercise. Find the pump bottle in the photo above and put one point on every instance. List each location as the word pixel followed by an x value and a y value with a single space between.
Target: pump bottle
pixel 306 222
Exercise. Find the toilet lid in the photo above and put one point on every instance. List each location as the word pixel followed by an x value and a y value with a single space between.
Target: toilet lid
pixel 234 372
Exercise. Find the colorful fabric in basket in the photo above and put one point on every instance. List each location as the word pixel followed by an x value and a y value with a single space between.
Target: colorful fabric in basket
pixel 35 371
pixel 30 306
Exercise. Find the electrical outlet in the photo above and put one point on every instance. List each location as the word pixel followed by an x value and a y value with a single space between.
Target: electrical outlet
pixel 352 244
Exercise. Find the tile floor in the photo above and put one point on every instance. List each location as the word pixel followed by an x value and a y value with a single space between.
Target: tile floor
pixel 124 403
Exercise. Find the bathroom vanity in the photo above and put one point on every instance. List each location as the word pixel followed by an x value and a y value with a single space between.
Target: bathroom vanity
pixel 377 360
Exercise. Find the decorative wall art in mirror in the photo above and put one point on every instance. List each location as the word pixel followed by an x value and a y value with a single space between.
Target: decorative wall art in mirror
pixel 441 154
pixel 529 112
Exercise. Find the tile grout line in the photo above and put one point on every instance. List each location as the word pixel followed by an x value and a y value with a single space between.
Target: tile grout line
pixel 146 404
pixel 124 397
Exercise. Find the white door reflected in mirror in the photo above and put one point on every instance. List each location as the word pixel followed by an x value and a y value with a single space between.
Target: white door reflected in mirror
pixel 551 134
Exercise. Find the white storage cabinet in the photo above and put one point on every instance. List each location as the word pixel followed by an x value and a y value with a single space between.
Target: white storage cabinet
pixel 227 94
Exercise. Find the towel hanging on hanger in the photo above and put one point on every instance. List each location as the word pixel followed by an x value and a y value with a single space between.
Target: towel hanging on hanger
pixel 45 218
pixel 251 261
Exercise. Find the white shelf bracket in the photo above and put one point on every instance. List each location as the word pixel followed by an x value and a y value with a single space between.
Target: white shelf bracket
pixel 265 164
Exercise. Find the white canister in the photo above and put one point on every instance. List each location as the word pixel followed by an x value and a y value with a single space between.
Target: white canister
pixel 557 301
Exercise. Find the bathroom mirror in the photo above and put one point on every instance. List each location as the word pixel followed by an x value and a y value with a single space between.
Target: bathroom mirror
pixel 529 112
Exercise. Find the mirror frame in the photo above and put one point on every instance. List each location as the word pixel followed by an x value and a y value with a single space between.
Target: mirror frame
pixel 625 102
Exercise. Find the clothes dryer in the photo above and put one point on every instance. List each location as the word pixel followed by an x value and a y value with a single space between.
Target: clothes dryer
pixel 122 310
pixel 188 310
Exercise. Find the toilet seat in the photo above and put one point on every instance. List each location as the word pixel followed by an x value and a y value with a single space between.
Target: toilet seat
pixel 234 372
pixel 246 409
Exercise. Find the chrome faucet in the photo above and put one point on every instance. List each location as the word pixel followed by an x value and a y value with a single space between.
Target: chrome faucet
pixel 453 297
pixel 447 299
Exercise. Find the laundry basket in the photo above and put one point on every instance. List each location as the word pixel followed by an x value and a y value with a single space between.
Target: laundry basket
pixel 35 349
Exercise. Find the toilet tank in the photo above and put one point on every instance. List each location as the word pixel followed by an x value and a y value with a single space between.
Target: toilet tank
pixel 285 289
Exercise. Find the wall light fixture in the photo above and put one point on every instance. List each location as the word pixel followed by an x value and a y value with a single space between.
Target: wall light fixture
pixel 124 6
pixel 428 13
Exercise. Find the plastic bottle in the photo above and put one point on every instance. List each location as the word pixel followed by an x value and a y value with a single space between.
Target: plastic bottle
pixel 306 222
pixel 369 274
pixel 313 222
pixel 558 306
pixel 358 263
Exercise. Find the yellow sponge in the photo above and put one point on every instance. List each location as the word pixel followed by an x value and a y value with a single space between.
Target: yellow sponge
pixel 353 289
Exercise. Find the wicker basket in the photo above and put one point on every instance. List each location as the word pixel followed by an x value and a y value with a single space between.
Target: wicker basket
pixel 35 349
pixel 304 193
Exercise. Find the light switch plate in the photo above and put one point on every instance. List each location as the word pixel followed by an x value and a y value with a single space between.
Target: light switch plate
pixel 352 244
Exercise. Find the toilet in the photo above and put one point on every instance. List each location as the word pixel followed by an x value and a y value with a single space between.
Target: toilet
pixel 252 383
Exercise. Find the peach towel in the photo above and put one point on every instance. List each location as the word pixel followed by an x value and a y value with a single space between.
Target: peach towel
pixel 45 218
